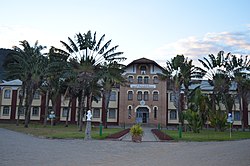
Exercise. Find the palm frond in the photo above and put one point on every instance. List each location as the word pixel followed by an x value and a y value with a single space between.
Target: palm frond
pixel 72 44
pixel 99 43
pixel 67 47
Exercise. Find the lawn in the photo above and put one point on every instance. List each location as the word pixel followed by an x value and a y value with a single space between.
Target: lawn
pixel 59 131
pixel 208 135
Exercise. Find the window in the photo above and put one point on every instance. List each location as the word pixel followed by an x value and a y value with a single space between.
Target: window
pixel 130 79
pixel 146 80
pixel 37 95
pixel 96 113
pixel 98 98
pixel 173 115
pixel 129 112
pixel 139 96
pixel 65 111
pixel 6 111
pixel 113 96
pixel 155 112
pixel 35 111
pixel 155 80
pixel 236 115
pixel 112 113
pixel 130 95
pixel 20 93
pixel 146 95
pixel 21 111
pixel 155 96
pixel 236 99
pixel 7 94
pixel 143 69
pixel 139 79
pixel 172 97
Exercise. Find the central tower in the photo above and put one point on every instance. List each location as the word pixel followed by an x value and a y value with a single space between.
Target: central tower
pixel 144 98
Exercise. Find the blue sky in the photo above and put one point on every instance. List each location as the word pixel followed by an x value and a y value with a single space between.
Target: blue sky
pixel 155 29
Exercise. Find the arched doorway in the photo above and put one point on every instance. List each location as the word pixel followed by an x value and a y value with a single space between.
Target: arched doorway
pixel 142 115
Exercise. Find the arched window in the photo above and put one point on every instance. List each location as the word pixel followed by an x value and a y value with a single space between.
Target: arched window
pixel 146 80
pixel 146 95
pixel 155 112
pixel 130 95
pixel 130 79
pixel 139 96
pixel 155 96
pixel 155 80
pixel 129 112
pixel 143 69
pixel 139 79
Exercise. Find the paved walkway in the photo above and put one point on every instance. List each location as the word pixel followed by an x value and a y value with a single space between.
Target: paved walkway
pixel 148 136
pixel 25 150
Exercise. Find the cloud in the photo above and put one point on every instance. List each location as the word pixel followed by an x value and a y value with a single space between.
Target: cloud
pixel 211 43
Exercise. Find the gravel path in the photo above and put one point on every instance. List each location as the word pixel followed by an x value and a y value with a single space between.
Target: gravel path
pixel 24 150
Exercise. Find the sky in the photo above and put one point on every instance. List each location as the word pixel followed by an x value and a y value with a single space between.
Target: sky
pixel 154 29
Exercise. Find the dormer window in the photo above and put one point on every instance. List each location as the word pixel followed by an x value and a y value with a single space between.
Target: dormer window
pixel 143 69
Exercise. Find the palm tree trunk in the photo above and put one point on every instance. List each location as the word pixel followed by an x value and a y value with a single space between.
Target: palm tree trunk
pixel 82 110
pixel 28 110
pixel 46 109
pixel 105 106
pixel 28 102
pixel 20 105
pixel 67 117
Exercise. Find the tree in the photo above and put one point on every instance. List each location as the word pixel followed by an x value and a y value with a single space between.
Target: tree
pixel 180 71
pixel 89 55
pixel 196 115
pixel 238 70
pixel 28 65
pixel 110 77
pixel 217 77
pixel 54 77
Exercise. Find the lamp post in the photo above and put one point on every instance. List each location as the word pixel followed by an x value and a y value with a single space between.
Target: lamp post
pixel 180 105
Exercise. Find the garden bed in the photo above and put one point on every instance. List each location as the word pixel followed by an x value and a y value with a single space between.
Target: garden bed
pixel 161 135
pixel 119 134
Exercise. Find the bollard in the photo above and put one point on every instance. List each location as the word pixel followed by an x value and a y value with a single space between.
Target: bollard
pixel 100 131
pixel 180 131
pixel 159 126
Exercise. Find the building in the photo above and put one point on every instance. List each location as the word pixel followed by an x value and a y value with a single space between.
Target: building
pixel 145 99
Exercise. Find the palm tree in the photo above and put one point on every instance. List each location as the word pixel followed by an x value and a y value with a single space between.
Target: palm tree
pixel 15 69
pixel 216 74
pixel 53 79
pixel 28 65
pixel 87 57
pixel 110 76
pixel 198 109
pixel 180 71
pixel 237 69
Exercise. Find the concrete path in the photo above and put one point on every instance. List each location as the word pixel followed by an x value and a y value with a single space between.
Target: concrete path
pixel 148 136
pixel 25 150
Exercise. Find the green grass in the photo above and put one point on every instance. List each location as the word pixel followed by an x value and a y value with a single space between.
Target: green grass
pixel 59 131
pixel 208 135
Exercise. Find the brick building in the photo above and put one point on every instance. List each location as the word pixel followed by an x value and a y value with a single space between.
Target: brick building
pixel 144 99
